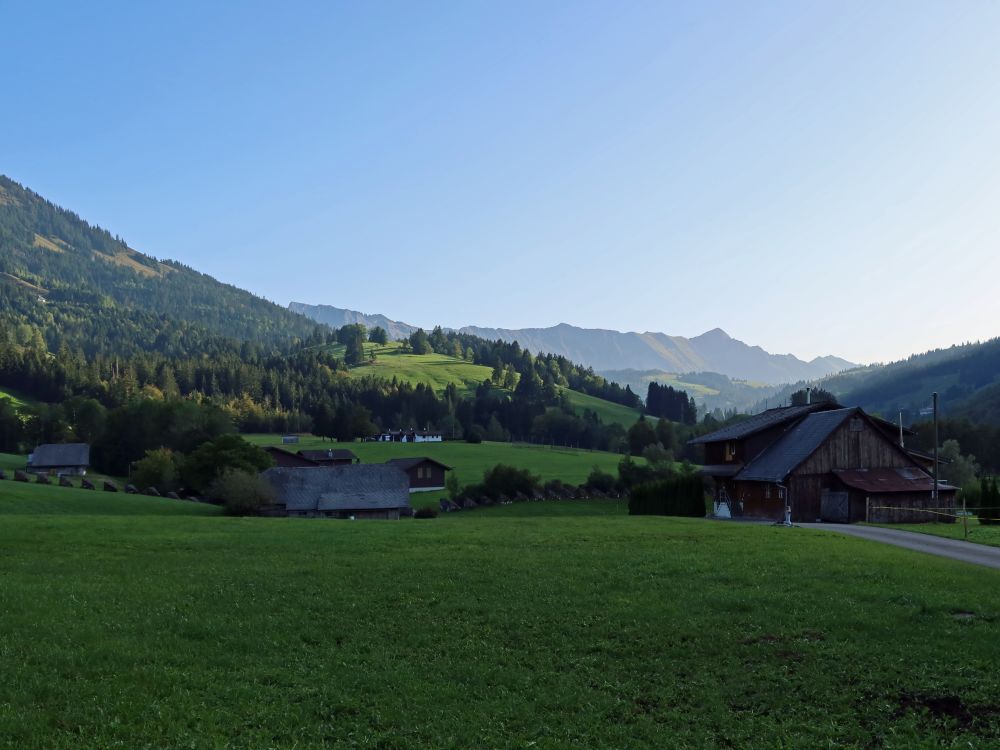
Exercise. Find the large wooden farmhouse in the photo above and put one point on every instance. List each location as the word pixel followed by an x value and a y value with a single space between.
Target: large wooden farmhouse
pixel 825 462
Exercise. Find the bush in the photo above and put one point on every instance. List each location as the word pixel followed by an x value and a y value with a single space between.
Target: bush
pixel 425 512
pixel 474 434
pixel 600 480
pixel 242 493
pixel 989 502
pixel 157 469
pixel 683 495
pixel 509 480
pixel 209 460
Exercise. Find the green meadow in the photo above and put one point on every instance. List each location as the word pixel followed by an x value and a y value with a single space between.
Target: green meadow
pixel 438 370
pixel 470 460
pixel 141 622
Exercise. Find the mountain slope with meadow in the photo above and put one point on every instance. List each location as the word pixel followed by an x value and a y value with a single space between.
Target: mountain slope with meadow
pixel 713 351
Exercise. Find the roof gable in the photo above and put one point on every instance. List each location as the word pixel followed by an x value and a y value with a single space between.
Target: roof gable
pixel 794 446
pixel 763 421
pixel 408 463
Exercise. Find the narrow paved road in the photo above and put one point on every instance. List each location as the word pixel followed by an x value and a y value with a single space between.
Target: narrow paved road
pixel 956 549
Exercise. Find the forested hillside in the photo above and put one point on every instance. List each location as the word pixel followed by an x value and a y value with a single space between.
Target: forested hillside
pixel 103 296
pixel 131 353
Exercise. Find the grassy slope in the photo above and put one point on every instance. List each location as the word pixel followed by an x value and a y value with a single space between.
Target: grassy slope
pixel 608 411
pixel 542 625
pixel 469 460
pixel 17 398
pixel 437 370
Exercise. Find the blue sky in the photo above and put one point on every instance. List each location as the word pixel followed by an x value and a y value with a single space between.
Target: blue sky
pixel 819 178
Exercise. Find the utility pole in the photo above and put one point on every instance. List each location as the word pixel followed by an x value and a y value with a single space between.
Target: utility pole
pixel 935 497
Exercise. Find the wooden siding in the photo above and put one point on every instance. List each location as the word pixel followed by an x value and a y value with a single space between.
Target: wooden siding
pixel 426 475
pixel 850 448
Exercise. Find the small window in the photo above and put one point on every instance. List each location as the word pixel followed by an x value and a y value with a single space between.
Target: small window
pixel 856 425
pixel 731 450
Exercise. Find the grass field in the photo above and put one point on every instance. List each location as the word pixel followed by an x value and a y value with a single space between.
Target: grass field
pixel 977 533
pixel 542 625
pixel 470 460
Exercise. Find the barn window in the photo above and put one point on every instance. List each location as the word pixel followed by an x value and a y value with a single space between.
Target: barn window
pixel 731 450
pixel 855 425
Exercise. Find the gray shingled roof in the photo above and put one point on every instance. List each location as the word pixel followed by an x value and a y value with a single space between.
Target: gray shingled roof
pixel 349 487
pixel 763 421
pixel 796 445
pixel 65 454
pixel 408 463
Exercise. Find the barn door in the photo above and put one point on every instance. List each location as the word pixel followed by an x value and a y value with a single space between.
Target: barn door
pixel 834 507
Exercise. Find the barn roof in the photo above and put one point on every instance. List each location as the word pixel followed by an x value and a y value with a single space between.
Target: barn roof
pixel 763 421
pixel 350 487
pixel 778 460
pixel 336 454
pixel 63 454
pixel 877 481
pixel 282 454
pixel 408 463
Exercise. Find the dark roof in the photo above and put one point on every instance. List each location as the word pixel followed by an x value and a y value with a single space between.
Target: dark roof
pixel 910 479
pixel 353 487
pixel 281 454
pixel 64 454
pixel 334 454
pixel 794 446
pixel 925 456
pixel 408 463
pixel 763 421
pixel 721 470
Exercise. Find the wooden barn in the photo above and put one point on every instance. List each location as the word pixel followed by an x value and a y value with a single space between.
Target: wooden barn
pixel 287 458
pixel 372 491
pixel 425 474
pixel 60 458
pixel 330 457
pixel 826 462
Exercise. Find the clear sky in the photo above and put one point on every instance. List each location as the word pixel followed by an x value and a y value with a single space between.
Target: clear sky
pixel 816 178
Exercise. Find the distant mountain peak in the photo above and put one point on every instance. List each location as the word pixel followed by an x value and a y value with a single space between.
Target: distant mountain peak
pixel 715 333
pixel 603 349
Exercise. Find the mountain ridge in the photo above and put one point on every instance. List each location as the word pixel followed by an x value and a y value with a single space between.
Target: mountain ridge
pixel 608 349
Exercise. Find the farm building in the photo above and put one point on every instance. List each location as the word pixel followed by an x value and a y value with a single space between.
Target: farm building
pixel 62 458
pixel 287 458
pixel 826 462
pixel 409 436
pixel 424 473
pixel 373 491
pixel 330 457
